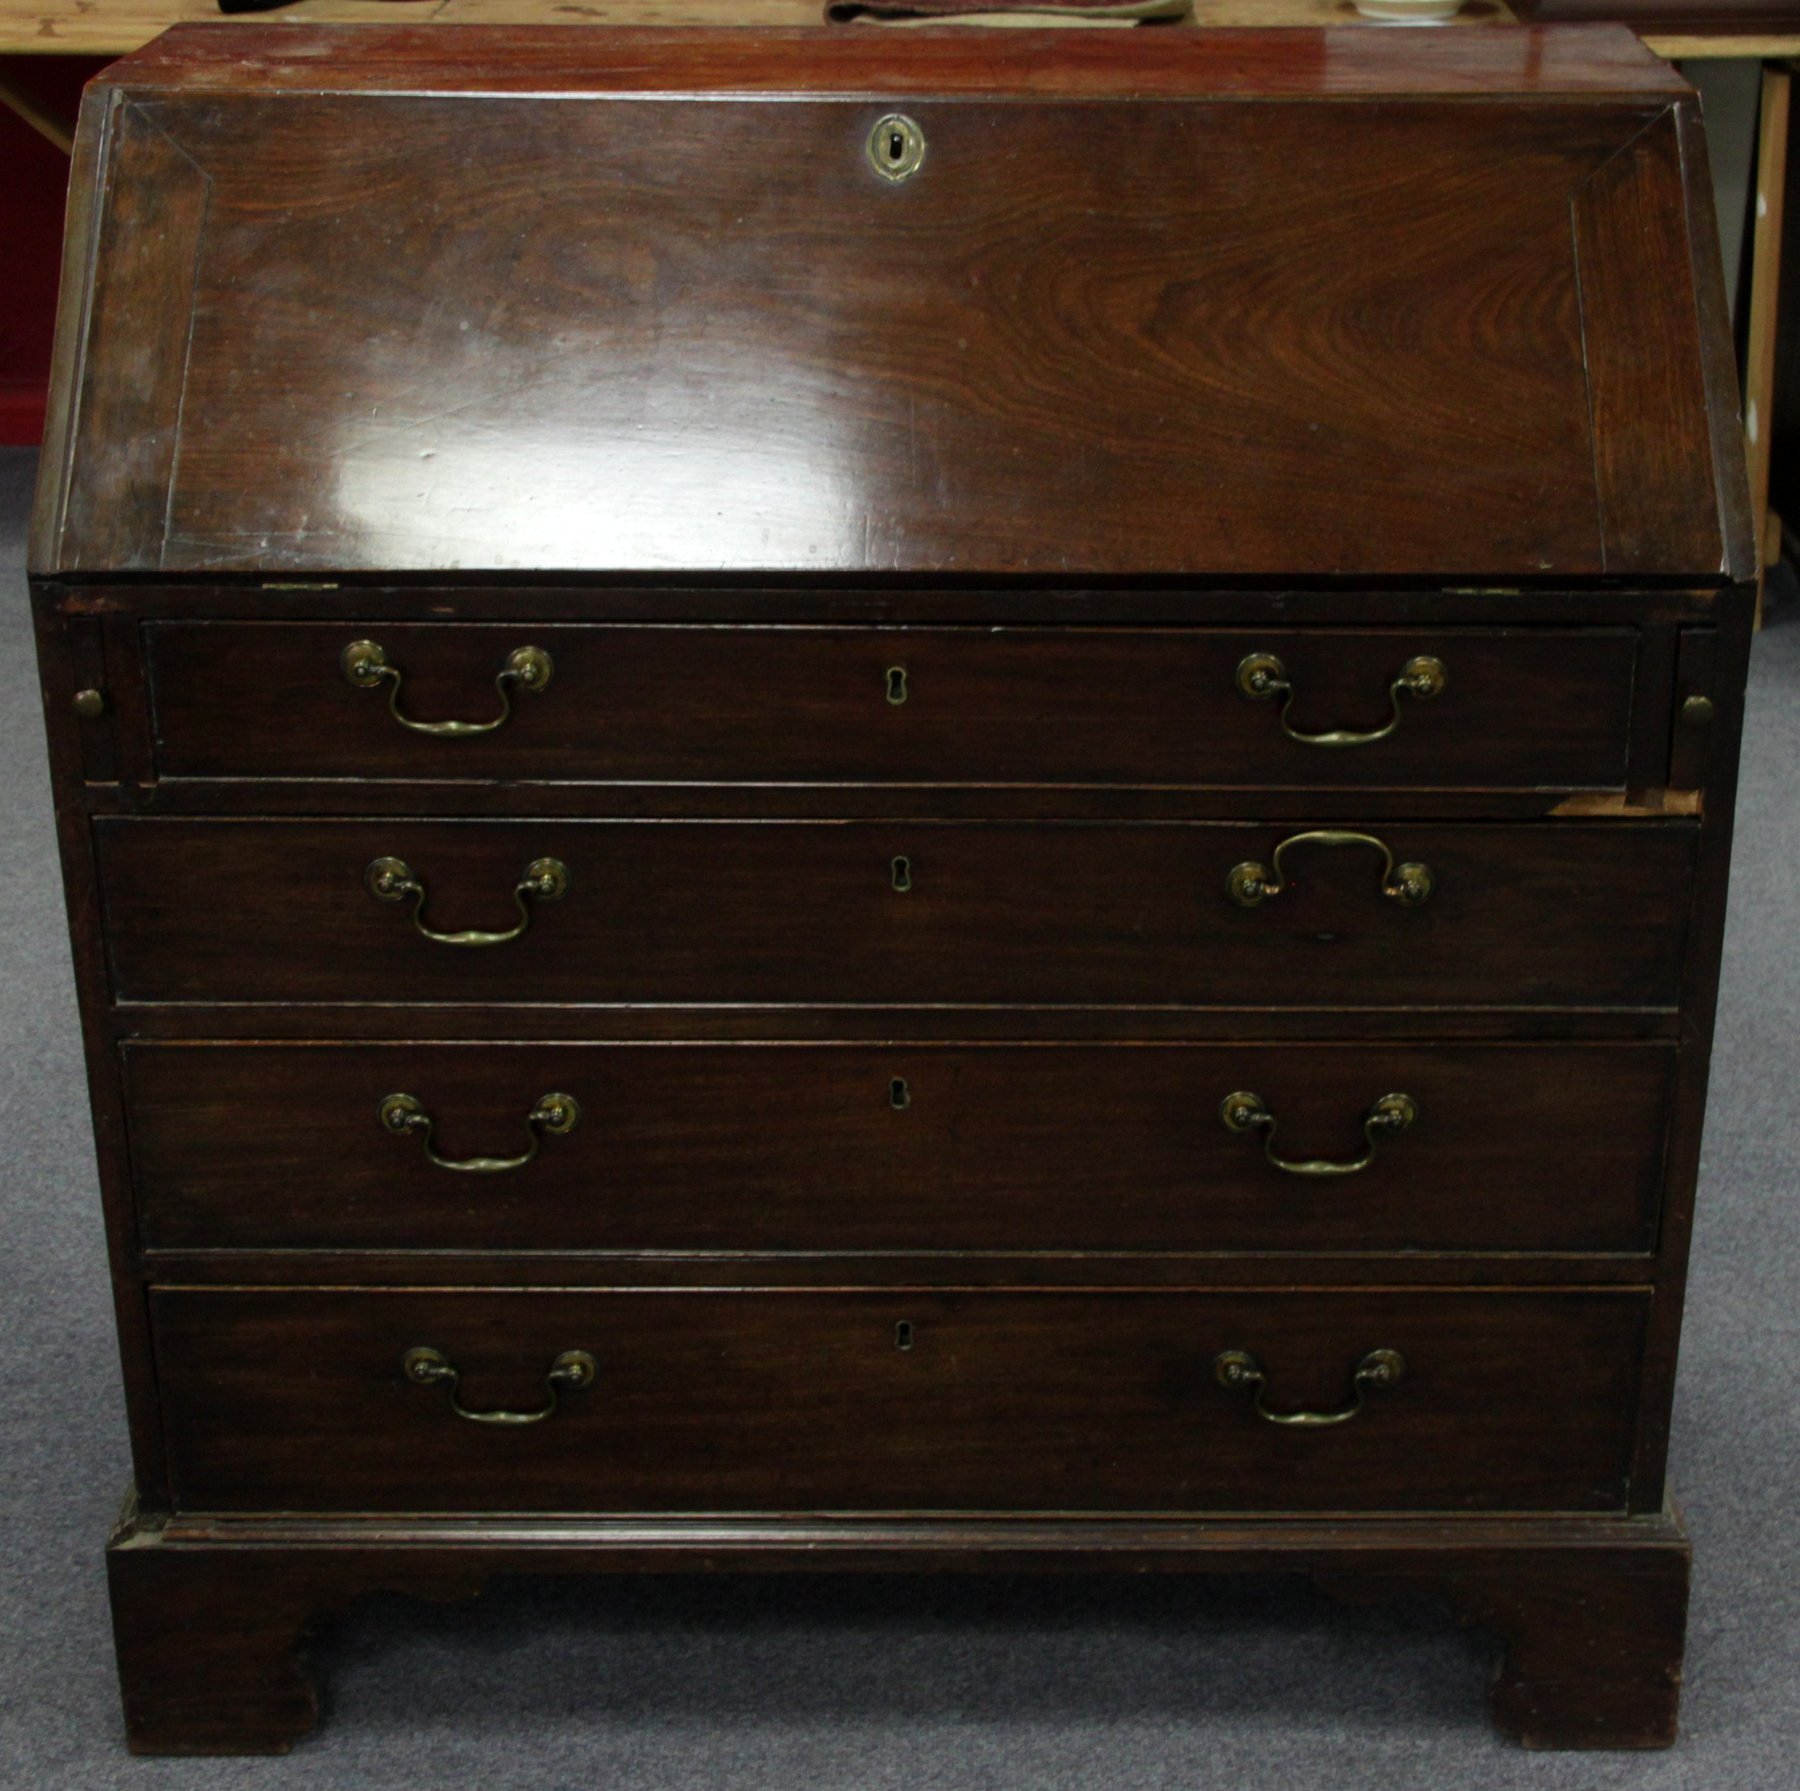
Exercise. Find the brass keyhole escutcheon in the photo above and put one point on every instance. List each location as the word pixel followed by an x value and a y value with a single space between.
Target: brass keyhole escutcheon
pixel 899 1095
pixel 896 147
pixel 896 685
pixel 901 872
pixel 903 1334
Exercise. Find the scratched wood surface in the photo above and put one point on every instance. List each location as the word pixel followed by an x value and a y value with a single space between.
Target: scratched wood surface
pixel 724 344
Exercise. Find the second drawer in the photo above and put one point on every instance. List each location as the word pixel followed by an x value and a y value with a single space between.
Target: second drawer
pixel 1412 915
pixel 776 1147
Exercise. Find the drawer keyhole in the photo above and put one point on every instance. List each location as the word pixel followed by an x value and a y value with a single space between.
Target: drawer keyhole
pixel 896 685
pixel 895 147
pixel 901 871
pixel 899 1095
pixel 903 1334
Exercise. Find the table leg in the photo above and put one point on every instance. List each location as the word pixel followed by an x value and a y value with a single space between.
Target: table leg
pixel 36 114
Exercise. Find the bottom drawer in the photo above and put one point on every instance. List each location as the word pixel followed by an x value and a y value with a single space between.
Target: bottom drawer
pixel 890 1401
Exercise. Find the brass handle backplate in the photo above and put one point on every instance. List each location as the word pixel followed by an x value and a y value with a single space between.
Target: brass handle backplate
pixel 392 880
pixel 556 1114
pixel 1240 1371
pixel 572 1370
pixel 367 666
pixel 1261 676
pixel 1386 1118
pixel 1250 884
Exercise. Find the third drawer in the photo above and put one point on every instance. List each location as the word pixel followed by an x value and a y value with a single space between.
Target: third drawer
pixel 904 1147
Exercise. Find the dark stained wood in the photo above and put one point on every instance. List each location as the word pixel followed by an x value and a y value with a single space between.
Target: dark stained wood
pixel 1598 1604
pixel 1023 369
pixel 1593 1659
pixel 802 1148
pixel 85 640
pixel 208 1640
pixel 1343 346
pixel 1030 1401
pixel 207 1653
pixel 1535 708
pixel 138 320
pixel 1647 766
pixel 1653 487
pixel 396 596
pixel 807 915
pixel 59 680
pixel 1743 551
pixel 196 798
pixel 1697 701
pixel 1700 994
pixel 729 1269
pixel 714 1023
pixel 1592 1648
pixel 1701 18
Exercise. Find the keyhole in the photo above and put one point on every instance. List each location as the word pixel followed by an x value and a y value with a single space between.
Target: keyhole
pixel 899 1095
pixel 896 684
pixel 903 1334
pixel 902 870
pixel 895 147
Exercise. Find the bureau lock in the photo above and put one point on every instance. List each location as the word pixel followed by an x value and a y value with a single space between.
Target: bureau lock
pixel 896 147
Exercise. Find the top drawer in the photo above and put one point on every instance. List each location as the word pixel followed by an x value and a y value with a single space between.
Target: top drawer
pixel 599 703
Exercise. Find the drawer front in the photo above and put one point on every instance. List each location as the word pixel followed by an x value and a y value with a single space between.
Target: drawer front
pixel 896 913
pixel 915 1148
pixel 1522 709
pixel 897 1401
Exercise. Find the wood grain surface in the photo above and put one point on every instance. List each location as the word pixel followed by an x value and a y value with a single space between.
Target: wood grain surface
pixel 721 342
pixel 807 915
pixel 902 1147
pixel 1527 708
pixel 1014 1401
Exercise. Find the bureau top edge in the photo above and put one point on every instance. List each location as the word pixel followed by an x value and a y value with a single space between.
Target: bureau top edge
pixel 1585 61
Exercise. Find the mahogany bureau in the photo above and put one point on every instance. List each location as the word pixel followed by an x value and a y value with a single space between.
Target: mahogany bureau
pixel 894 801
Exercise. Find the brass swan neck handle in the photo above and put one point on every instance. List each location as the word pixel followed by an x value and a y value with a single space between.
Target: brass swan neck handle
pixel 392 880
pixel 572 1370
pixel 1250 884
pixel 1239 1371
pixel 367 666
pixel 1262 676
pixel 555 1114
pixel 1387 1117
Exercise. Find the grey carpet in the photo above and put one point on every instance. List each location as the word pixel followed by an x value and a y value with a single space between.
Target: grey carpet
pixel 837 1684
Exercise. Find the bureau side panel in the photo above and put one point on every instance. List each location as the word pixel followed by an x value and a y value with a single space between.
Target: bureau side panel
pixel 65 665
